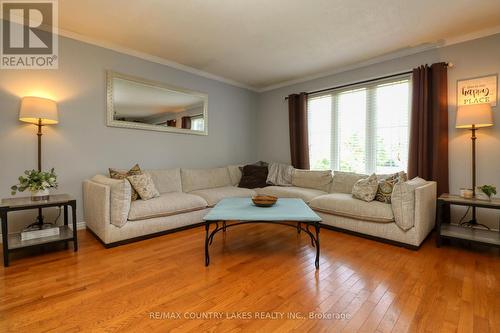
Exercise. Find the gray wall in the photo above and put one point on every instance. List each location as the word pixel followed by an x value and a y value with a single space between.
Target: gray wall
pixel 81 145
pixel 471 59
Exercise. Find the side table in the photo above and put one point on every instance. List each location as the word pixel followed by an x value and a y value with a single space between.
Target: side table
pixel 13 242
pixel 447 230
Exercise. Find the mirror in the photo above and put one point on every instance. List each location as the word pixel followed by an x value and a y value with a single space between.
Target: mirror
pixel 148 105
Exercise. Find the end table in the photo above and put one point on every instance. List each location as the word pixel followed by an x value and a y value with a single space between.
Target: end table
pixel 13 241
pixel 453 231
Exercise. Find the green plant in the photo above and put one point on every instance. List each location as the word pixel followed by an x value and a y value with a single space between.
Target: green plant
pixel 489 190
pixel 35 181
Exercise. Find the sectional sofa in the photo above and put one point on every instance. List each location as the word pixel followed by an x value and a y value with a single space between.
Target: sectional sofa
pixel 188 194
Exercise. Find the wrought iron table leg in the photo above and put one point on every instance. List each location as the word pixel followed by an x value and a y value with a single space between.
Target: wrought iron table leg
pixel 5 238
pixel 223 226
pixel 316 226
pixel 207 257
pixel 298 227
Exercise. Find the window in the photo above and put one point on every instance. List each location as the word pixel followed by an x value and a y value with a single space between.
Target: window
pixel 198 123
pixel 363 128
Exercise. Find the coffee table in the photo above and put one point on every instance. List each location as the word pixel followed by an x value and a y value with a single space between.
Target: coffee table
pixel 290 212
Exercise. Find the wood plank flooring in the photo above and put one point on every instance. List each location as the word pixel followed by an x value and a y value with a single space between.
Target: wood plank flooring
pixel 255 270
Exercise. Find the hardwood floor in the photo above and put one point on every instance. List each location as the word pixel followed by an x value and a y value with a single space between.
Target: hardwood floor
pixel 255 270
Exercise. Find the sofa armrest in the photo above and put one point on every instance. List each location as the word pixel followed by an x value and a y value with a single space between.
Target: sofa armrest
pixel 96 207
pixel 425 210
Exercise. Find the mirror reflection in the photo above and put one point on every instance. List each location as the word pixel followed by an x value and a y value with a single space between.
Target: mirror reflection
pixel 147 105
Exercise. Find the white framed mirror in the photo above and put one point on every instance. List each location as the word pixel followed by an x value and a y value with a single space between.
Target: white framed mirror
pixel 137 103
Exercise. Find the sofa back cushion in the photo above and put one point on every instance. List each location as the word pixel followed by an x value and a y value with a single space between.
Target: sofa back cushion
pixel 199 179
pixel 319 180
pixel 343 182
pixel 166 181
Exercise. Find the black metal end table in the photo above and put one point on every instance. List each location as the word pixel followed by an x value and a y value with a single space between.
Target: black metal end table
pixel 13 242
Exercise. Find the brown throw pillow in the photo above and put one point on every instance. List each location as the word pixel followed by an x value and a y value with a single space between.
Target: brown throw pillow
pixel 386 186
pixel 144 186
pixel 123 174
pixel 253 176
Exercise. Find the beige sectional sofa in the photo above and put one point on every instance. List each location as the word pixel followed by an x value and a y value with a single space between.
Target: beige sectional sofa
pixel 186 195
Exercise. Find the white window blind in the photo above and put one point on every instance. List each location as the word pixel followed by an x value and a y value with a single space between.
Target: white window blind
pixel 363 128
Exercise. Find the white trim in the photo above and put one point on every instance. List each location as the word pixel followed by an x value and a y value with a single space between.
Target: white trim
pixel 472 36
pixel 152 58
pixel 372 61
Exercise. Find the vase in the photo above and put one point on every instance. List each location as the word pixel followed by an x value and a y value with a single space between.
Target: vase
pixel 40 195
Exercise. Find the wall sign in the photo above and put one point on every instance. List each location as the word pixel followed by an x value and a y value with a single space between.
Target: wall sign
pixel 477 90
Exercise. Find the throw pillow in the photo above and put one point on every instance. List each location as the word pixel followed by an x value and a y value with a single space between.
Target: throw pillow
pixel 123 174
pixel 253 176
pixel 385 186
pixel 366 188
pixel 144 186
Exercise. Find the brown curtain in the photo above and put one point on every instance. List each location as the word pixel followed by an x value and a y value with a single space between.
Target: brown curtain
pixel 428 155
pixel 186 122
pixel 299 140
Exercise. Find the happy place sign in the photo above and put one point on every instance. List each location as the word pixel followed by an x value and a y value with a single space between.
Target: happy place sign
pixel 477 90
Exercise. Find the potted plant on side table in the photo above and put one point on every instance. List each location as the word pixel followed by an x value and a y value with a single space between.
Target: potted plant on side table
pixel 37 182
pixel 489 190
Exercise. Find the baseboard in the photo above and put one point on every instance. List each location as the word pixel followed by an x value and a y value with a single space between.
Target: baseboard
pixel 79 226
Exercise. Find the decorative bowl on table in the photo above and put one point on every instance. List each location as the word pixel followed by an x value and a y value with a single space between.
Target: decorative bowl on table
pixel 264 200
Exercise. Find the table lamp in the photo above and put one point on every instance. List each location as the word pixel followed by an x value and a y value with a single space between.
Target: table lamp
pixel 41 112
pixel 473 117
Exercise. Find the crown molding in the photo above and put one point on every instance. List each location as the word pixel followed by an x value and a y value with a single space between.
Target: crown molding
pixel 386 57
pixel 151 58
pixel 471 36
pixel 372 61
pixel 390 56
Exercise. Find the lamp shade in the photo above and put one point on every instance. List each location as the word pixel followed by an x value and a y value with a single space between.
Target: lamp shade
pixel 34 109
pixel 479 115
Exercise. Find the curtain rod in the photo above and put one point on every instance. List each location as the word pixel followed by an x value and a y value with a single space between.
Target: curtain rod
pixel 364 81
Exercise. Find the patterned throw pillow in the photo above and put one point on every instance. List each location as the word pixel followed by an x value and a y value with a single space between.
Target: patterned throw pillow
pixel 123 174
pixel 386 186
pixel 366 188
pixel 144 186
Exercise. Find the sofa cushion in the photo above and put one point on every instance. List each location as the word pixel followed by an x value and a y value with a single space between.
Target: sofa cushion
pixel 343 182
pixel 403 202
pixel 165 205
pixel 199 179
pixel 344 204
pixel 318 180
pixel 168 180
pixel 306 194
pixel 120 192
pixel 214 195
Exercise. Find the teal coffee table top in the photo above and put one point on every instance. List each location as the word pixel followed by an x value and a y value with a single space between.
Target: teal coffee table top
pixel 243 209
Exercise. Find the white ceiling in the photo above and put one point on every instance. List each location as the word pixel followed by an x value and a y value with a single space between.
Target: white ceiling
pixel 261 43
